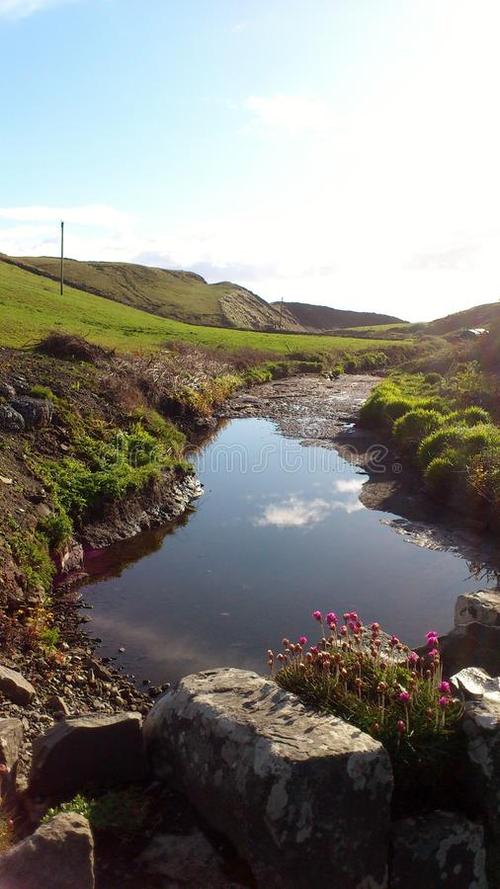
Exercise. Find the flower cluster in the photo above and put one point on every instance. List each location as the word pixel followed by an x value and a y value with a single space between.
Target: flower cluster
pixel 373 680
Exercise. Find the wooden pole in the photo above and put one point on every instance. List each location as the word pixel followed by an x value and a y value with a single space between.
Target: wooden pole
pixel 62 258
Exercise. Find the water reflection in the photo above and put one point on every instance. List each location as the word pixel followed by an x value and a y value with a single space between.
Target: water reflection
pixel 260 551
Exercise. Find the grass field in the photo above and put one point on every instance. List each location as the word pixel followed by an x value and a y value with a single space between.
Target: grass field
pixel 30 307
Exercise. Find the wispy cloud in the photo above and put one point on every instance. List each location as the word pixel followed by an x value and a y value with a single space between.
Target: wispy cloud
pixel 20 9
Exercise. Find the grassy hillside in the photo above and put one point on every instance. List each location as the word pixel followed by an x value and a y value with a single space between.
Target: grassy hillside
pixel 170 294
pixel 30 307
pixel 479 316
pixel 326 318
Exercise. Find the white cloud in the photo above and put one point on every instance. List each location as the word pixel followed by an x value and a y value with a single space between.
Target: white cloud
pixel 18 9
pixel 88 214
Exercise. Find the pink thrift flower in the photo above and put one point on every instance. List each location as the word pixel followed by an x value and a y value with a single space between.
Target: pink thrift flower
pixel 434 653
pixel 444 687
pixel 394 641
pixel 432 638
pixel 401 727
pixel 302 640
pixel 404 696
pixel 443 702
pixel 413 657
pixel 375 628
pixel 314 649
pixel 331 618
pixel 317 616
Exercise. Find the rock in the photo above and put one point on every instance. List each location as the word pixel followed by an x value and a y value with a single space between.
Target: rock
pixel 472 645
pixel 70 558
pixel 7 391
pixel 298 793
pixel 475 684
pixel 482 729
pixel 186 859
pixel 59 855
pixel 482 607
pixel 10 419
pixel 37 412
pixel 57 704
pixel 11 738
pixel 442 849
pixel 87 751
pixel 15 687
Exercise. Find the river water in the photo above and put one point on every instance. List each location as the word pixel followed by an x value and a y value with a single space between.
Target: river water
pixel 278 532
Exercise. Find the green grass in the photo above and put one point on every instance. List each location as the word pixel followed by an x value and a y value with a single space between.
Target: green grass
pixel 30 307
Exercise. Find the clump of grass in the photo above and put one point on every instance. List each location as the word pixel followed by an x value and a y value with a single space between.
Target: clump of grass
pixel 70 347
pixel 57 528
pixel 122 813
pixel 384 689
pixel 415 425
pixel 42 392
pixel 31 554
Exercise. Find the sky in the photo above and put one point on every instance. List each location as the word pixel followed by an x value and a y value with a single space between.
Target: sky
pixel 339 152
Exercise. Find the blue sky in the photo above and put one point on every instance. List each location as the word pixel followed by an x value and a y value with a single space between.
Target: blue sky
pixel 333 151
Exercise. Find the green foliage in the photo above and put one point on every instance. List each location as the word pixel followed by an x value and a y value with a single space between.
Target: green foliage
pixel 441 475
pixel 32 556
pixel 415 425
pixel 471 416
pixel 57 528
pixel 435 444
pixel 122 813
pixel 42 392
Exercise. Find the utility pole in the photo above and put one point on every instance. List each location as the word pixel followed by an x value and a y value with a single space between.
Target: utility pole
pixel 62 258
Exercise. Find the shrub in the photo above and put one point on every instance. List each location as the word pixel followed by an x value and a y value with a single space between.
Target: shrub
pixel 437 442
pixel 397 407
pixel 70 347
pixel 412 427
pixel 384 689
pixel 441 475
pixel 57 528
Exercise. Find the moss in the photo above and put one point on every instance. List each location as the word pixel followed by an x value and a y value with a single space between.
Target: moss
pixel 43 392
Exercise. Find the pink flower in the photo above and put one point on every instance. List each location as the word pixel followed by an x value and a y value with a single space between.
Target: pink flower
pixel 443 702
pixel 317 616
pixel 413 657
pixel 343 630
pixel 444 687
pixel 432 638
pixel 375 628
pixel 401 727
pixel 314 649
pixel 331 618
pixel 302 640
pixel 394 641
pixel 434 653
pixel 404 696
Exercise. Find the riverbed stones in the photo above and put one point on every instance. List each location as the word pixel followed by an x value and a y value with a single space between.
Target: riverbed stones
pixel 59 855
pixel 37 412
pixel 442 849
pixel 93 751
pixel 10 419
pixel 15 687
pixel 301 795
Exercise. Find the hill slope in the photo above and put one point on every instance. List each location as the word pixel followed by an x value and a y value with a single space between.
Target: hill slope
pixel 169 294
pixel 478 316
pixel 326 318
pixel 31 306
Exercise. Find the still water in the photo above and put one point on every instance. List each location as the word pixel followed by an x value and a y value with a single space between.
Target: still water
pixel 279 531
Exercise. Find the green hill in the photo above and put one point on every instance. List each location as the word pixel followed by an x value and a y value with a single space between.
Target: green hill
pixel 31 306
pixel 169 294
pixel 326 318
pixel 479 316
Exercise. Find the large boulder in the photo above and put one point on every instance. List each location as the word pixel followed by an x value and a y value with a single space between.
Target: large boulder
pixel 10 419
pixel 442 849
pixel 37 412
pixel 473 644
pixel 11 738
pixel 302 796
pixel 15 687
pixel 482 729
pixel 59 855
pixel 86 752
pixel 481 607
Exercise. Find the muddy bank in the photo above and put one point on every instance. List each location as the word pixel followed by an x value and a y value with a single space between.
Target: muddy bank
pixel 324 412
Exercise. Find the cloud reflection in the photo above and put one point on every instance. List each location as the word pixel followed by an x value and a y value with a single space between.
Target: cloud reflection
pixel 299 512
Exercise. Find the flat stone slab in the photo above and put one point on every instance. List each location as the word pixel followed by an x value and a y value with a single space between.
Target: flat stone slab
pixel 59 855
pixel 15 687
pixel 94 751
pixel 442 849
pixel 302 796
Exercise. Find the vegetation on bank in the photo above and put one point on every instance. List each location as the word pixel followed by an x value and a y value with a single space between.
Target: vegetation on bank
pixel 378 684
pixel 444 427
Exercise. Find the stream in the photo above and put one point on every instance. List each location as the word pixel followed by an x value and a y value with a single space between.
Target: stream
pixel 279 531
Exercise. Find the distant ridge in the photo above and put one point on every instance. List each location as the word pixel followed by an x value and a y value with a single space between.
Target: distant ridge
pixel 325 318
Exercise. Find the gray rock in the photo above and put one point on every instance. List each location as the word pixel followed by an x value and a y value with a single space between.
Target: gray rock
pixel 482 728
pixel 471 645
pixel 476 684
pixel 11 738
pixel 482 607
pixel 84 752
pixel 442 850
pixel 37 412
pixel 185 859
pixel 7 391
pixel 15 687
pixel 301 795
pixel 10 419
pixel 59 855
